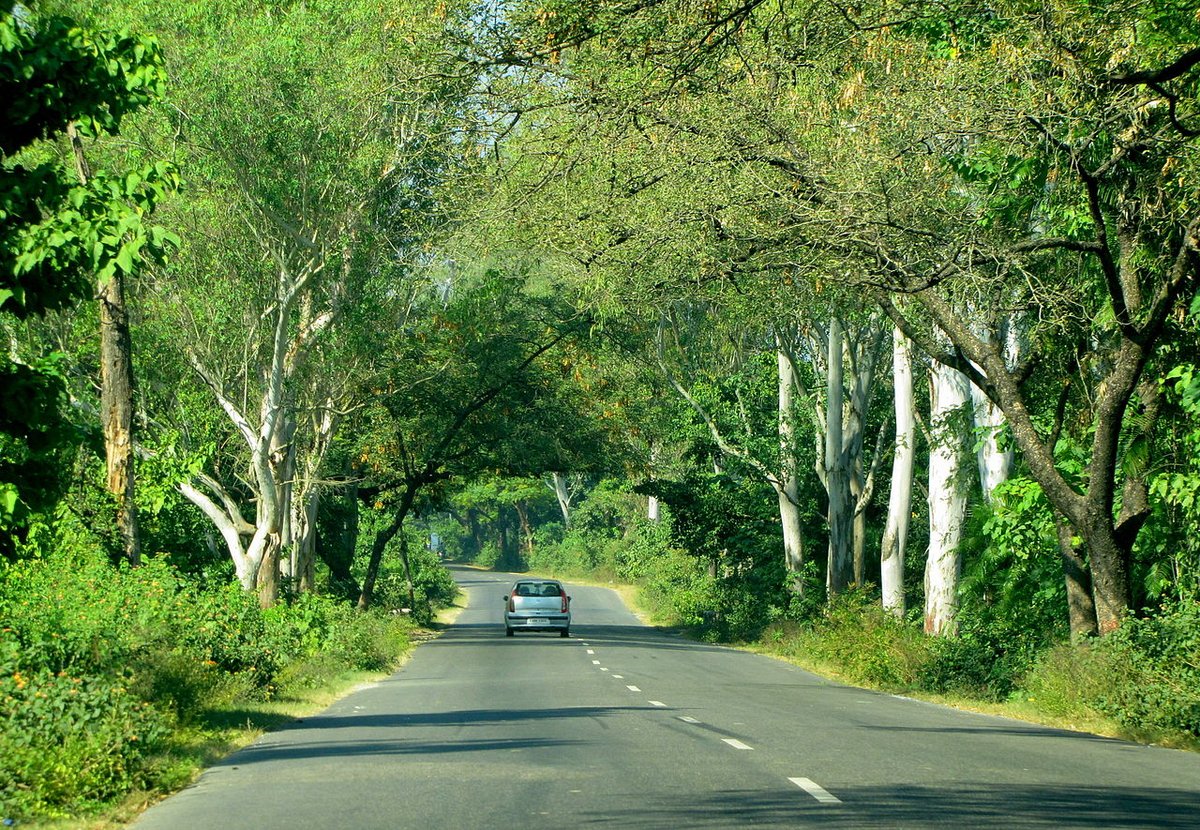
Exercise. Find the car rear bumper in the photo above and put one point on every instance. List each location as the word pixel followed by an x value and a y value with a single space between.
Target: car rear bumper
pixel 550 622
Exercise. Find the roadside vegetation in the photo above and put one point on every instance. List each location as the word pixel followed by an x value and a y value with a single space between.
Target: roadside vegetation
pixel 119 685
pixel 864 335
pixel 1141 683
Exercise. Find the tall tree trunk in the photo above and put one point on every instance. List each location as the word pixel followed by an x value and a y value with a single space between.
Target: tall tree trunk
pixel 304 540
pixel 1081 608
pixel 994 462
pixel 558 483
pixel 837 473
pixel 787 488
pixel 526 529
pixel 408 575
pixel 116 388
pixel 949 394
pixel 895 533
pixel 116 409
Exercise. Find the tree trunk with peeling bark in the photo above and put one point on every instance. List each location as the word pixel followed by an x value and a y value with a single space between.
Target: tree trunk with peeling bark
pixel 949 396
pixel 116 410
pixel 840 568
pixel 788 489
pixel 895 533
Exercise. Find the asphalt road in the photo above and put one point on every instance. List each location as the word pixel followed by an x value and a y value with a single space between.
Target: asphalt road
pixel 624 726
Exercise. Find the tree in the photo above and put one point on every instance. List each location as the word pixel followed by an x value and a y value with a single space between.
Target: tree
pixel 1045 164
pixel 312 146
pixel 62 81
pixel 466 390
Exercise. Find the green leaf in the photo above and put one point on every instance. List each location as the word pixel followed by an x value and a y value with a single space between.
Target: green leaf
pixel 125 259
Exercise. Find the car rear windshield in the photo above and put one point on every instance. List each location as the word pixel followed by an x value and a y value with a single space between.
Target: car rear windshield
pixel 538 589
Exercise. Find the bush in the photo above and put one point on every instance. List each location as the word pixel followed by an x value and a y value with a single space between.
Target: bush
pixel 987 659
pixel 864 642
pixel 68 741
pixel 99 664
pixel 1145 675
pixel 1156 677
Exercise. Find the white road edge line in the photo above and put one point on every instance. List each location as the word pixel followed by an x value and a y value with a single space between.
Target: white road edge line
pixel 633 688
pixel 816 790
pixel 736 744
pixel 658 703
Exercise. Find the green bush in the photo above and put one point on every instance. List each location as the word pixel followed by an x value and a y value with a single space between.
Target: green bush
pixel 68 741
pixel 866 643
pixel 988 658
pixel 1145 675
pixel 99 664
pixel 1156 682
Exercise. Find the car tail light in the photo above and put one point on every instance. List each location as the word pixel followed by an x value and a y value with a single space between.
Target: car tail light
pixel 565 600
pixel 511 607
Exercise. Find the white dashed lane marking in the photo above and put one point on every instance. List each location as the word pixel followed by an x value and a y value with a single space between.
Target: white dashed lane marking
pixel 816 790
pixel 736 744
pixel 633 688
pixel 687 719
pixel 658 703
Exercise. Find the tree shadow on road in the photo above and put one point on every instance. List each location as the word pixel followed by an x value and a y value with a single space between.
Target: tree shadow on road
pixel 973 805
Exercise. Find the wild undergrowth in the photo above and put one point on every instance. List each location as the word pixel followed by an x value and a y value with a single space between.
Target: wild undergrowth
pixel 117 680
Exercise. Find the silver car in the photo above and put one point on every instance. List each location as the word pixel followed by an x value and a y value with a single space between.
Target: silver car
pixel 537 605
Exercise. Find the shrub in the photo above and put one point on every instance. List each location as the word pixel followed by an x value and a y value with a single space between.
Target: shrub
pixel 1157 671
pixel 1145 675
pixel 67 740
pixel 866 643
pixel 98 664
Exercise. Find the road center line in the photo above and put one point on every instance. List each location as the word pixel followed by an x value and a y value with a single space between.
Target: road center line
pixel 816 790
pixel 736 744
pixel 633 688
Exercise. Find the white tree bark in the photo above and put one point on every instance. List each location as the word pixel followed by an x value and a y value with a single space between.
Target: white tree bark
pixel 895 533
pixel 271 440
pixel 788 488
pixel 949 394
pixel 994 463
pixel 305 498
pixel 562 492
pixel 779 481
pixel 228 520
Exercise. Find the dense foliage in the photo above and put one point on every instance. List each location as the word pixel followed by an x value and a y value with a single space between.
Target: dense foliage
pixel 605 290
pixel 104 670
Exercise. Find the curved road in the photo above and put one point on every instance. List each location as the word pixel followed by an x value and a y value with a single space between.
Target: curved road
pixel 623 726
